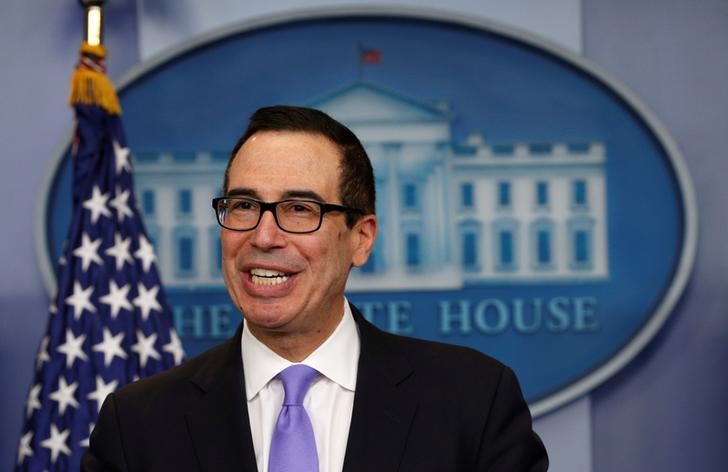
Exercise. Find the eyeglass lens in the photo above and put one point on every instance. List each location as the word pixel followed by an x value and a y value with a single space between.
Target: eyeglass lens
pixel 291 215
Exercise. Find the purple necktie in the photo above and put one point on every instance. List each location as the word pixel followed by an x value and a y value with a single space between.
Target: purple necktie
pixel 293 447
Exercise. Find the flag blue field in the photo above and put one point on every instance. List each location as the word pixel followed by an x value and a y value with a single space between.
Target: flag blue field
pixel 109 323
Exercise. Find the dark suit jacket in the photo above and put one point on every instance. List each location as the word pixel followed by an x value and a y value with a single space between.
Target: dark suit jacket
pixel 419 406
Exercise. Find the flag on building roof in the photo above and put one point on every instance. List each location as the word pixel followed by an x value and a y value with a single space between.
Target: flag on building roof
pixel 109 323
pixel 370 56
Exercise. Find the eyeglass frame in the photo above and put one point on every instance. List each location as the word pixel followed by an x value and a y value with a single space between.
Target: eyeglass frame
pixel 271 206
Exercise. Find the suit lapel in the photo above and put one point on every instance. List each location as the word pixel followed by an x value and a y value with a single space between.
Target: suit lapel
pixel 218 420
pixel 384 404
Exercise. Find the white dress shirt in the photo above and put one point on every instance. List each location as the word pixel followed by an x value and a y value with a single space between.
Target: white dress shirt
pixel 329 400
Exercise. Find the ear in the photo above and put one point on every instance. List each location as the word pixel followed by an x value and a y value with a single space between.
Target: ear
pixel 364 235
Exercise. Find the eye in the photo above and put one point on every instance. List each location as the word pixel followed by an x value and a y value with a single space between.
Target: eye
pixel 241 204
pixel 299 208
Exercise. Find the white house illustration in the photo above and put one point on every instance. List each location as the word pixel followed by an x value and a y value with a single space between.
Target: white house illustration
pixel 451 214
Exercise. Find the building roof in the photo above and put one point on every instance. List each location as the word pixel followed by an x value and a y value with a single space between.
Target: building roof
pixel 363 102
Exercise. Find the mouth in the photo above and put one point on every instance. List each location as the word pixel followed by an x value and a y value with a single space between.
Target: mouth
pixel 267 277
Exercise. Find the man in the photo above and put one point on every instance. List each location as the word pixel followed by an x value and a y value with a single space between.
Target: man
pixel 298 213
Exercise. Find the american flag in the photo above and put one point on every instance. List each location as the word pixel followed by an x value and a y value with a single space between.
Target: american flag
pixel 109 323
pixel 370 56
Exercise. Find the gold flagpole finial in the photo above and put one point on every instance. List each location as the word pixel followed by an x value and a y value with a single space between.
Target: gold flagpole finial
pixel 94 28
pixel 89 84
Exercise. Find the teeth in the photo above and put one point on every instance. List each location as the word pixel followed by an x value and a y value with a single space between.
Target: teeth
pixel 267 277
pixel 266 273
pixel 268 281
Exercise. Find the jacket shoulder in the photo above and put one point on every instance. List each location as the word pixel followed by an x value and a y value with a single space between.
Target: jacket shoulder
pixel 183 380
pixel 437 358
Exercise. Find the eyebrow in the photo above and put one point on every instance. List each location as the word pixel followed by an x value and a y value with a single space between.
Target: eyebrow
pixel 303 194
pixel 242 192
pixel 300 194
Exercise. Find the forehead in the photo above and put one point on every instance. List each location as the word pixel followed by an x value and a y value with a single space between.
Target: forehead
pixel 273 163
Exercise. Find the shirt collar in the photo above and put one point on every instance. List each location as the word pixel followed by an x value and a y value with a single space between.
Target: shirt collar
pixel 337 358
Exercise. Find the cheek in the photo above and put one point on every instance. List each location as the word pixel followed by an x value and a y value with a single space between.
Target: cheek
pixel 336 256
pixel 230 242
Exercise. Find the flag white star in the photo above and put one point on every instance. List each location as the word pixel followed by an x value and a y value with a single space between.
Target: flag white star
pixel 24 449
pixel 42 353
pixel 72 348
pixel 147 300
pixel 57 442
pixel 110 346
pixel 145 348
pixel 97 204
pixel 88 251
pixel 174 347
pixel 102 390
pixel 120 251
pixel 81 299
pixel 117 298
pixel 65 395
pixel 145 253
pixel 120 202
pixel 122 157
pixel 33 402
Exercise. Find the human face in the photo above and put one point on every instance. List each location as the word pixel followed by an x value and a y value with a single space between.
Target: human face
pixel 291 283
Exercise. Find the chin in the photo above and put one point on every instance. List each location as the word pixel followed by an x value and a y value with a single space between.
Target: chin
pixel 268 315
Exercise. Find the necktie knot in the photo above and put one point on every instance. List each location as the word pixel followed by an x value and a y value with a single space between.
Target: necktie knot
pixel 296 380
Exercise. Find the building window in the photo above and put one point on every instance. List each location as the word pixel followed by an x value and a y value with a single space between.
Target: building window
pixel 467 195
pixel 503 150
pixel 579 197
pixel 186 253
pixel 184 202
pixel 542 244
pixel 581 241
pixel 579 148
pixel 581 247
pixel 542 194
pixel 185 260
pixel 505 240
pixel 413 250
pixel 470 251
pixel 506 247
pixel 215 252
pixel 504 194
pixel 470 235
pixel 540 149
pixel 544 247
pixel 148 202
pixel 409 196
pixel 218 258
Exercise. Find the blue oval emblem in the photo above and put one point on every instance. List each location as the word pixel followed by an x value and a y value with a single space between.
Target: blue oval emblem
pixel 530 206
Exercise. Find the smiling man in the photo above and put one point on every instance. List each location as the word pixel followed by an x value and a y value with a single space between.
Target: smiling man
pixel 307 384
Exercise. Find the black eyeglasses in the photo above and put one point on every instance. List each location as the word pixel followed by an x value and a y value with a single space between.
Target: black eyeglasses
pixel 292 216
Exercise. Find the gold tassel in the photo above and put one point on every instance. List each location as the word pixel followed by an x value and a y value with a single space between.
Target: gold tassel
pixel 89 84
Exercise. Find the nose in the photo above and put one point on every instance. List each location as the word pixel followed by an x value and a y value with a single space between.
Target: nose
pixel 267 235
